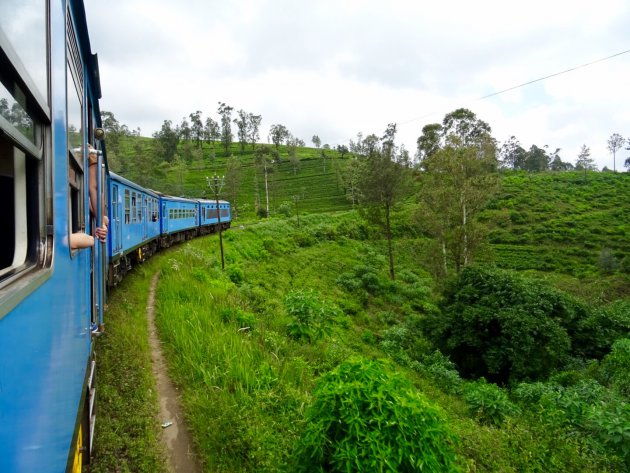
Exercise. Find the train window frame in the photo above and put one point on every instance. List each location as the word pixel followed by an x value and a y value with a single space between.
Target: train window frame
pixel 134 203
pixel 127 207
pixel 26 170
pixel 75 140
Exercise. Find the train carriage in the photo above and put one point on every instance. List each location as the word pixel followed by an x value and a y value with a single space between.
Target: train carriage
pixel 51 291
pixel 55 193
pixel 134 225
pixel 179 219
pixel 210 219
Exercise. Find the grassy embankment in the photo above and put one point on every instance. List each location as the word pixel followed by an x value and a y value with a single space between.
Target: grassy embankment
pixel 246 383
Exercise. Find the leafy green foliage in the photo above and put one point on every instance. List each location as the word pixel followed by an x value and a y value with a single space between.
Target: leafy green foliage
pixel 443 372
pixel 364 418
pixel 245 390
pixel 501 326
pixel 310 318
pixel 611 425
pixel 488 403
pixel 615 367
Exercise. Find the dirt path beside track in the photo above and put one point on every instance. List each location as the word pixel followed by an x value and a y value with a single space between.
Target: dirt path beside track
pixel 175 435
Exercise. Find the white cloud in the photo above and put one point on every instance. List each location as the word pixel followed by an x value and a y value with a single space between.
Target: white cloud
pixel 335 68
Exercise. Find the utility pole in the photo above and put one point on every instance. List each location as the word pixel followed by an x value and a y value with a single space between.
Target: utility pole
pixel 216 184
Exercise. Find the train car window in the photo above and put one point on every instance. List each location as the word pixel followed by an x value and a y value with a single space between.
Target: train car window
pixel 225 212
pixel 127 208
pixel 24 22
pixel 114 206
pixel 133 207
pixel 24 117
pixel 75 131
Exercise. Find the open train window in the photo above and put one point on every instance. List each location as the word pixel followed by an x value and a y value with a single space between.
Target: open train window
pixel 127 208
pixel 75 134
pixel 133 207
pixel 25 208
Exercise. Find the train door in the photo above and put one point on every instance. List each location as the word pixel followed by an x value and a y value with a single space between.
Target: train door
pixel 145 220
pixel 116 225
pixel 164 219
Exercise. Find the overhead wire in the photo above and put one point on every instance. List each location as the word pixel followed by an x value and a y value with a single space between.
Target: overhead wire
pixel 555 74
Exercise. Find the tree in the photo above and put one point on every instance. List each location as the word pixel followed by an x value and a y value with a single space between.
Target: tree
pixel 184 130
pixel 558 165
pixel 253 128
pixel 350 177
pixel 512 154
pixel 113 132
pixel 536 159
pixel 382 184
pixel 323 154
pixel 429 141
pixel 225 112
pixel 196 127
pixel 262 161
pixel 241 123
pixel 277 134
pixel 584 160
pixel 166 141
pixel 464 125
pixel 212 131
pixel 615 143
pixel 459 179
pixel 316 141
pixel 294 159
pixel 342 150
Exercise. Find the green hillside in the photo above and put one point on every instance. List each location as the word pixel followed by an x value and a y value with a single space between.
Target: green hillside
pixel 304 354
pixel 563 224
pixel 314 182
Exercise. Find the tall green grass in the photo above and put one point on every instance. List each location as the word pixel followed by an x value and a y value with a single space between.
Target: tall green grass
pixel 127 427
pixel 246 380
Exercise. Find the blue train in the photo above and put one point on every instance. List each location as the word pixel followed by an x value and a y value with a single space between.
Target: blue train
pixel 54 195
pixel 143 221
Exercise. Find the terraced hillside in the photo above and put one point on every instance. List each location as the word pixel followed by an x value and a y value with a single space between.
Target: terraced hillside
pixel 555 221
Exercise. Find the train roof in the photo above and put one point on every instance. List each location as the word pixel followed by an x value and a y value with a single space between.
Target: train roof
pixel 132 184
pixel 212 201
pixel 176 199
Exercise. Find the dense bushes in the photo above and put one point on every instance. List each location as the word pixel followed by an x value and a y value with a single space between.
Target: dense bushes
pixel 505 327
pixel 496 324
pixel 365 418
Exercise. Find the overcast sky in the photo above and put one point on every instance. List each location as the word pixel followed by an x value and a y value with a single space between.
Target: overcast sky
pixel 336 68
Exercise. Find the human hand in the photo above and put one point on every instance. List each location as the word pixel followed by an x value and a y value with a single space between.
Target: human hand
pixel 101 233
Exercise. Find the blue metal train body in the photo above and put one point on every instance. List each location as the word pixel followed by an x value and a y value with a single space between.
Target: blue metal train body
pixel 52 292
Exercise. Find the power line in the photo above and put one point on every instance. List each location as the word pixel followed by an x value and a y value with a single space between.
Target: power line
pixel 555 74
pixel 530 82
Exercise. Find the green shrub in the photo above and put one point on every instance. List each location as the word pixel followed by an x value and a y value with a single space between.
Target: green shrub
pixel 488 402
pixel 443 372
pixel 365 419
pixel 615 367
pixel 610 423
pixel 594 331
pixel 240 317
pixel 501 326
pixel 311 319
pixel 235 274
pixel 285 209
